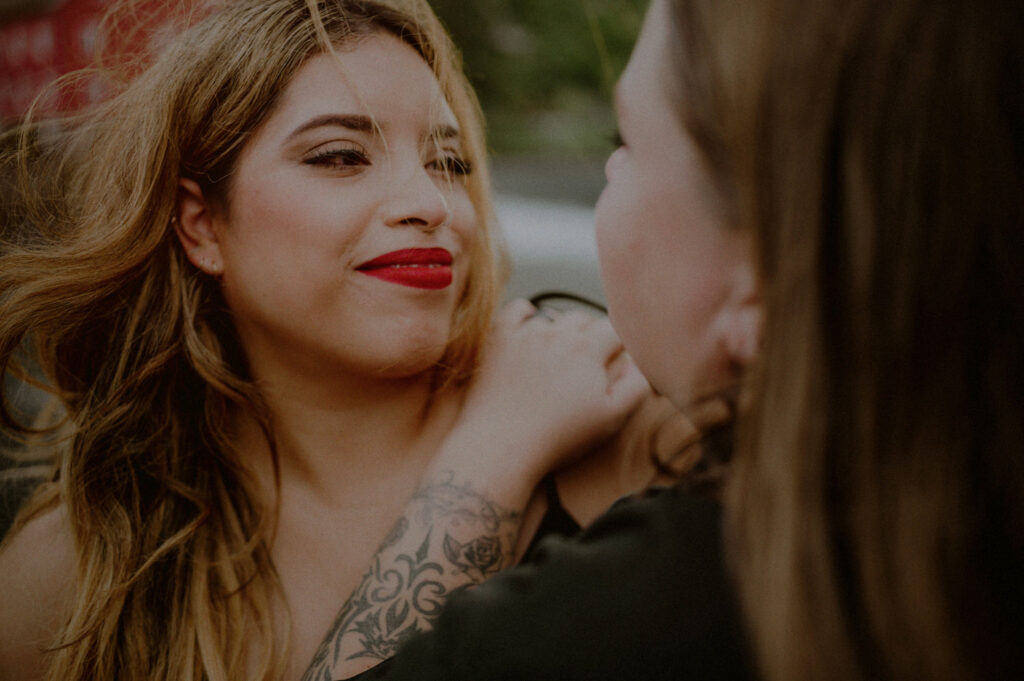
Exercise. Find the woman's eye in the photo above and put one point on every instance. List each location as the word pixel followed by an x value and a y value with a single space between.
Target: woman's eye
pixel 453 165
pixel 339 157
pixel 616 139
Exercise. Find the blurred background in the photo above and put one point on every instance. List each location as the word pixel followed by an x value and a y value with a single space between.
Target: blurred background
pixel 543 69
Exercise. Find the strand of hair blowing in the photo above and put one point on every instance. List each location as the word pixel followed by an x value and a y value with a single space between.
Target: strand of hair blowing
pixel 121 327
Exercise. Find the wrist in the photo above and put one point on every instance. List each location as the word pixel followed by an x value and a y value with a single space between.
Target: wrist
pixel 506 467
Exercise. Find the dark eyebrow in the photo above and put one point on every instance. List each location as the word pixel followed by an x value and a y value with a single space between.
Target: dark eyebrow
pixel 350 121
pixel 364 124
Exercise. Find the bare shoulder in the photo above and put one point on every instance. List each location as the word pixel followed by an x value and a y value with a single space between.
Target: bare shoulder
pixel 37 576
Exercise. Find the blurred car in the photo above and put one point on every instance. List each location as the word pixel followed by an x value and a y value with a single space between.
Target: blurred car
pixel 551 247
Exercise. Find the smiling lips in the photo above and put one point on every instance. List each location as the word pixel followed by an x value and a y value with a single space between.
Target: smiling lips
pixel 427 268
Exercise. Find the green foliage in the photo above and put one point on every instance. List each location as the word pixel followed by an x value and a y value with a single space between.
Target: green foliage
pixel 545 69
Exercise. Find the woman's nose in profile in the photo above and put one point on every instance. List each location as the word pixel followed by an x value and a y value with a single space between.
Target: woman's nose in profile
pixel 416 198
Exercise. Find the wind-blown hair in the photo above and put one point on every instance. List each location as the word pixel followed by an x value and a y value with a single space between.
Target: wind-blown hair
pixel 174 579
pixel 874 149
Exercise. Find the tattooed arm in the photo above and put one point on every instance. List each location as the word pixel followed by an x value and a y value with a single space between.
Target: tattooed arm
pixel 459 528
pixel 545 390
pixel 451 536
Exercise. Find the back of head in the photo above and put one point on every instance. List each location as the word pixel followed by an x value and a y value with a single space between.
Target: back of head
pixel 96 292
pixel 875 150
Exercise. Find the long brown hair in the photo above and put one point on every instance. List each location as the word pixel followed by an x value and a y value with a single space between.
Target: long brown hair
pixel 174 578
pixel 875 151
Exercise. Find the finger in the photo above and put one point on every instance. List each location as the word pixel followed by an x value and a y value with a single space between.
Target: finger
pixel 628 388
pixel 543 314
pixel 609 345
pixel 516 312
pixel 575 319
pixel 709 413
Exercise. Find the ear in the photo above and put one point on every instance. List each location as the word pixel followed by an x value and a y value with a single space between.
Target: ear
pixel 195 227
pixel 739 321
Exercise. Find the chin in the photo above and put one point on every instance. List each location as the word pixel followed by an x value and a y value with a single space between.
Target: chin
pixel 677 387
pixel 411 364
pixel 399 349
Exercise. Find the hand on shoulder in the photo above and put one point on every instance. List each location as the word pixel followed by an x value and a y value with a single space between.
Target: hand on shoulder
pixel 548 388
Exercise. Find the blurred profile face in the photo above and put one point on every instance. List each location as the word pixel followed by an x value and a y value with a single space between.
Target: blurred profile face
pixel 345 247
pixel 677 280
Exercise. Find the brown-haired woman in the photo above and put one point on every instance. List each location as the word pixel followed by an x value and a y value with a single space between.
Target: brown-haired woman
pixel 817 213
pixel 258 279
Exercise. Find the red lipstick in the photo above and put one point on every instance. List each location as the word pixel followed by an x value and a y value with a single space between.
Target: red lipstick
pixel 427 268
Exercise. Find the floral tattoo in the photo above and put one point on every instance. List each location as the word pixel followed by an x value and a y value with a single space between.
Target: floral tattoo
pixel 478 558
pixel 413 574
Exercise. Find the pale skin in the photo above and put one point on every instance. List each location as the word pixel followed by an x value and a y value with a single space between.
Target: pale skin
pixel 376 471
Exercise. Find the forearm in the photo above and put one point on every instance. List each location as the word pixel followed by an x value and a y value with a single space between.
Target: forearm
pixel 452 534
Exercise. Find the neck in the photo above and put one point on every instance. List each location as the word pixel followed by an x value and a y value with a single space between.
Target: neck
pixel 345 440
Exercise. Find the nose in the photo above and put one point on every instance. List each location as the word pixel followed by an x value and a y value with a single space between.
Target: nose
pixel 615 160
pixel 417 201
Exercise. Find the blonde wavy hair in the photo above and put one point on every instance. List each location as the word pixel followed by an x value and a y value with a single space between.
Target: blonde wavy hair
pixel 174 577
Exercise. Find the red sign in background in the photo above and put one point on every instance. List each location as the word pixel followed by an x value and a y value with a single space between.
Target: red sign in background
pixel 35 50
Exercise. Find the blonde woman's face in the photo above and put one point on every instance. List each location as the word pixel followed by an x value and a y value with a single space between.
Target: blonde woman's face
pixel 678 282
pixel 346 244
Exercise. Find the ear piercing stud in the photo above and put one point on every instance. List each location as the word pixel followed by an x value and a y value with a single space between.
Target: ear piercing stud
pixel 206 264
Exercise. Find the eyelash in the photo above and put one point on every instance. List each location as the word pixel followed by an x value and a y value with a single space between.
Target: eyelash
pixel 339 158
pixel 346 158
pixel 454 165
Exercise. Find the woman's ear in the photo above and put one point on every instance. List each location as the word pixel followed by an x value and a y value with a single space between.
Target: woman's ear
pixel 194 224
pixel 739 322
pixel 744 338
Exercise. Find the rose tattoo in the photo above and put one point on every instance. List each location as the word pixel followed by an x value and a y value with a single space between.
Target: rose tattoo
pixel 477 558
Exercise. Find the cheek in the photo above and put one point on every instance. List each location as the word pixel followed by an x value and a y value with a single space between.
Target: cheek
pixel 608 230
pixel 280 224
pixel 619 250
pixel 618 230
pixel 465 222
pixel 465 231
pixel 258 221
pixel 641 265
pixel 616 212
